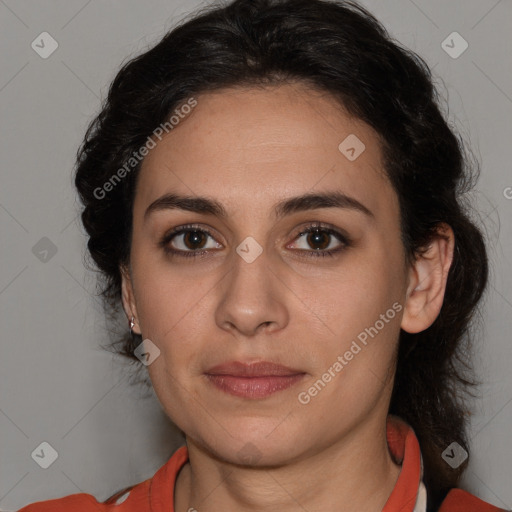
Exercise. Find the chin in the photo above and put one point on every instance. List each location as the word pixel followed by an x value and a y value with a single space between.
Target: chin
pixel 255 442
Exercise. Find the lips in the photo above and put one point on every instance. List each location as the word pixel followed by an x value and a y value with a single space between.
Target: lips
pixel 253 380
pixel 256 369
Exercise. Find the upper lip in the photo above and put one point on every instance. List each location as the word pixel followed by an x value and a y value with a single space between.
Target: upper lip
pixel 255 369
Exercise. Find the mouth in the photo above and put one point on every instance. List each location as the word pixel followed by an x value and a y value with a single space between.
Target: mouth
pixel 256 380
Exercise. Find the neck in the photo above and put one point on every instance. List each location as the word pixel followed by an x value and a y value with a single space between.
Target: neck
pixel 355 473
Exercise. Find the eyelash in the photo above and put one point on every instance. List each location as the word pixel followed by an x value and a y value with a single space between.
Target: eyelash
pixel 164 242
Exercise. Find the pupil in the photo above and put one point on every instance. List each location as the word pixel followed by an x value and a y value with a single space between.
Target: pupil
pixel 315 238
pixel 194 237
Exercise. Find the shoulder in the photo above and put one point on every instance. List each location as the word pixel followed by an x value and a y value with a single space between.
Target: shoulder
pixel 132 499
pixel 458 500
pixel 151 494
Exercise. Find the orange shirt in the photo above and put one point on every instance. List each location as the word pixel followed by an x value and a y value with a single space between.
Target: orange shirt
pixel 157 493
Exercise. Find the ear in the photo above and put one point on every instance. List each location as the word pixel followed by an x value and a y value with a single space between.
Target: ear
pixel 128 297
pixel 427 282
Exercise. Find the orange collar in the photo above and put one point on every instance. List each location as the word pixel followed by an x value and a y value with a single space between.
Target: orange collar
pixel 405 450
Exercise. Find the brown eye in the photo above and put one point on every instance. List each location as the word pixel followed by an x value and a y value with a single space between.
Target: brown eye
pixel 188 241
pixel 318 239
pixel 321 241
pixel 194 239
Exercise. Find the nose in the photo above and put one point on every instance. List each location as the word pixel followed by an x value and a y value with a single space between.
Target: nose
pixel 252 298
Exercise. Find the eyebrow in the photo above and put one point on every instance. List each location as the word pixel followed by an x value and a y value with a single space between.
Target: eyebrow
pixel 207 206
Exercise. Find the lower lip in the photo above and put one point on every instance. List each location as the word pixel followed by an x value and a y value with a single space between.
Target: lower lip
pixel 254 387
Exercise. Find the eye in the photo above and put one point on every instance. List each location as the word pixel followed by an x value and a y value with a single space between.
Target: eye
pixel 188 241
pixel 323 241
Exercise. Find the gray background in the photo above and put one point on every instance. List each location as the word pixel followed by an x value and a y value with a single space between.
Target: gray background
pixel 57 384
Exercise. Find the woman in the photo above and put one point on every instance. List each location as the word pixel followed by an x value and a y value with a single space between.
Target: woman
pixel 272 194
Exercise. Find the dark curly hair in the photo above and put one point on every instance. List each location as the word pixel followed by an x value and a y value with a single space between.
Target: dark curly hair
pixel 340 48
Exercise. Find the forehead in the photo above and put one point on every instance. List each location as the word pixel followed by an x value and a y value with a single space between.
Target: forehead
pixel 265 144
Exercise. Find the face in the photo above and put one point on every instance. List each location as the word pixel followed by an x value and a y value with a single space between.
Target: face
pixel 251 284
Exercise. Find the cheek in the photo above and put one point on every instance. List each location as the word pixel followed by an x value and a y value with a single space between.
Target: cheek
pixel 360 310
pixel 167 297
pixel 175 319
pixel 354 297
pixel 354 359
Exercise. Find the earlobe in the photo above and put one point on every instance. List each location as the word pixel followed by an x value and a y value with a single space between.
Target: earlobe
pixel 128 298
pixel 427 282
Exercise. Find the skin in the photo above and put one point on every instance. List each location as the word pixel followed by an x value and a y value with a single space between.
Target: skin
pixel 250 148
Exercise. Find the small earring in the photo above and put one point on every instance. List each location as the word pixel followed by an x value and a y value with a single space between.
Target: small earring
pixel 132 323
